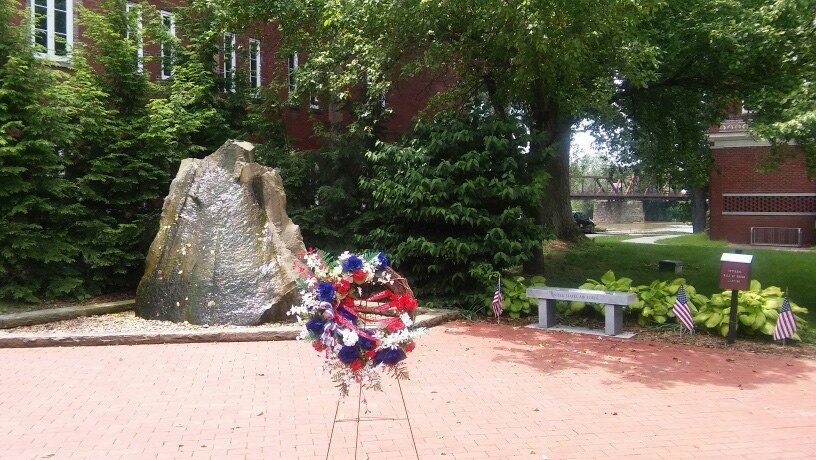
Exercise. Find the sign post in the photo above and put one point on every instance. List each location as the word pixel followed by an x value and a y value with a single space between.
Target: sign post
pixel 735 274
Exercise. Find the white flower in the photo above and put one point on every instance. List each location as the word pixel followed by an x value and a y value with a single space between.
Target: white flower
pixel 385 278
pixel 349 337
pixel 337 270
pixel 345 255
pixel 406 319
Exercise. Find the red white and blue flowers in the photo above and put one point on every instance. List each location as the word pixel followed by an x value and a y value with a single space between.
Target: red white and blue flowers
pixel 359 313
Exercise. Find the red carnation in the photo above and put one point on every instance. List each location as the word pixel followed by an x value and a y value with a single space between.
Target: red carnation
pixel 342 286
pixel 318 345
pixel 356 365
pixel 371 353
pixel 410 347
pixel 359 276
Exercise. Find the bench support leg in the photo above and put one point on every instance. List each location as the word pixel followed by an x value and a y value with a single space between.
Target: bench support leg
pixel 546 313
pixel 613 318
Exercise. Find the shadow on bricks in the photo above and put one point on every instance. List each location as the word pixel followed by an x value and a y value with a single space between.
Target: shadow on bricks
pixel 653 364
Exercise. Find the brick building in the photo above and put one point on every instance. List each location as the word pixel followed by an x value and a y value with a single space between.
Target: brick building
pixel 751 207
pixel 256 49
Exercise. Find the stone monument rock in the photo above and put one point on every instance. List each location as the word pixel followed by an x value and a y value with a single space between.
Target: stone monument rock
pixel 225 248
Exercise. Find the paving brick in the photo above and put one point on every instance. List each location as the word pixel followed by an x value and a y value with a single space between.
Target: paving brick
pixel 477 391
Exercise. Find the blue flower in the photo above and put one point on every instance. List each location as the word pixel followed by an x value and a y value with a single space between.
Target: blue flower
pixel 347 355
pixel 325 291
pixel 315 326
pixel 382 261
pixel 389 356
pixel 352 264
pixel 364 343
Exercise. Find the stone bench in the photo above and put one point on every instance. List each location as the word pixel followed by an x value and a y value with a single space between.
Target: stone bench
pixel 613 304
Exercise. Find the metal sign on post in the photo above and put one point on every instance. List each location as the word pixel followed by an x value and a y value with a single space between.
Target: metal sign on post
pixel 735 274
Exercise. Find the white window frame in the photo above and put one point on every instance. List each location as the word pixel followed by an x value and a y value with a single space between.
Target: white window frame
pixel 292 66
pixel 139 42
pixel 255 55
pixel 167 14
pixel 229 75
pixel 50 34
pixel 314 102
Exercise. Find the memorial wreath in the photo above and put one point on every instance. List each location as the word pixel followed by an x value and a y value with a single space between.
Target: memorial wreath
pixel 359 312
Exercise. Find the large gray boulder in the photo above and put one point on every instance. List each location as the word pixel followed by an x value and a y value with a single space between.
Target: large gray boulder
pixel 225 249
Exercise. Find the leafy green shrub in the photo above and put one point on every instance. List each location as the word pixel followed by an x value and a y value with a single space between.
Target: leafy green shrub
pixel 608 283
pixel 38 204
pixel 323 193
pixel 655 301
pixel 757 311
pixel 454 204
pixel 514 292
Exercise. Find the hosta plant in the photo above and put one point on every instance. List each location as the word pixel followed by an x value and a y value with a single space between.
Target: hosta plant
pixel 655 301
pixel 757 311
pixel 608 282
pixel 514 292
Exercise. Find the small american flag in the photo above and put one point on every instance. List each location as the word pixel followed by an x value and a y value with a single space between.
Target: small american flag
pixel 497 301
pixel 786 323
pixel 681 309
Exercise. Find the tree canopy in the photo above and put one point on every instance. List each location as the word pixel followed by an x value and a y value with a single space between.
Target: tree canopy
pixel 651 74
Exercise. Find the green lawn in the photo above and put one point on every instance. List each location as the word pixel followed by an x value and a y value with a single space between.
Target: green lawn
pixel 571 265
pixel 695 239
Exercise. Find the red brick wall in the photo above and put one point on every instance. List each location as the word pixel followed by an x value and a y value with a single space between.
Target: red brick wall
pixel 735 171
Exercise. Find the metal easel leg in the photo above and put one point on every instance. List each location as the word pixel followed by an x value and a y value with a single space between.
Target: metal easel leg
pixel 408 419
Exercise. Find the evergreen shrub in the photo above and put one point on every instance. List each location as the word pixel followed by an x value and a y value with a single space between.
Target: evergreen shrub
pixel 453 205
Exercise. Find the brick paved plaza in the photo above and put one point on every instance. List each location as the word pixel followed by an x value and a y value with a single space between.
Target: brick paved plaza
pixel 477 391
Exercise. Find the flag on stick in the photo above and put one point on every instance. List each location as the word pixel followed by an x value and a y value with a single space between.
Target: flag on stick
pixel 498 301
pixel 786 323
pixel 681 309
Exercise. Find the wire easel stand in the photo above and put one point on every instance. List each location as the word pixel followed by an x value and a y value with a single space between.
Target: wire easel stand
pixel 359 419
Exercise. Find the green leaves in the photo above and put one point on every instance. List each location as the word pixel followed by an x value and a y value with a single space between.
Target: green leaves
pixel 608 282
pixel 454 206
pixel 757 310
pixel 87 155
pixel 655 301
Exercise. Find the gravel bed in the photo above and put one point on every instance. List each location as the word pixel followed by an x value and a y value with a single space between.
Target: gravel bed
pixel 125 323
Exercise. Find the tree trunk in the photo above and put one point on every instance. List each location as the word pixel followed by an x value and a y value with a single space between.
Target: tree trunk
pixel 549 150
pixel 555 213
pixel 699 209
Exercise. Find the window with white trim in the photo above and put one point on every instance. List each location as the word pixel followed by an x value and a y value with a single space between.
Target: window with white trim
pixel 254 63
pixel 314 102
pixel 53 28
pixel 228 69
pixel 167 54
pixel 293 65
pixel 134 31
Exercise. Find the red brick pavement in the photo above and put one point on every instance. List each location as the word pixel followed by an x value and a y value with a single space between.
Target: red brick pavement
pixel 477 391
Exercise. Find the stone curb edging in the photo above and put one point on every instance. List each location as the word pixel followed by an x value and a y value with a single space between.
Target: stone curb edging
pixel 430 319
pixel 51 315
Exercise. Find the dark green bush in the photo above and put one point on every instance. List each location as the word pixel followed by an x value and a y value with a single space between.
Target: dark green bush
pixel 38 205
pixel 323 192
pixel 453 205
pixel 87 156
